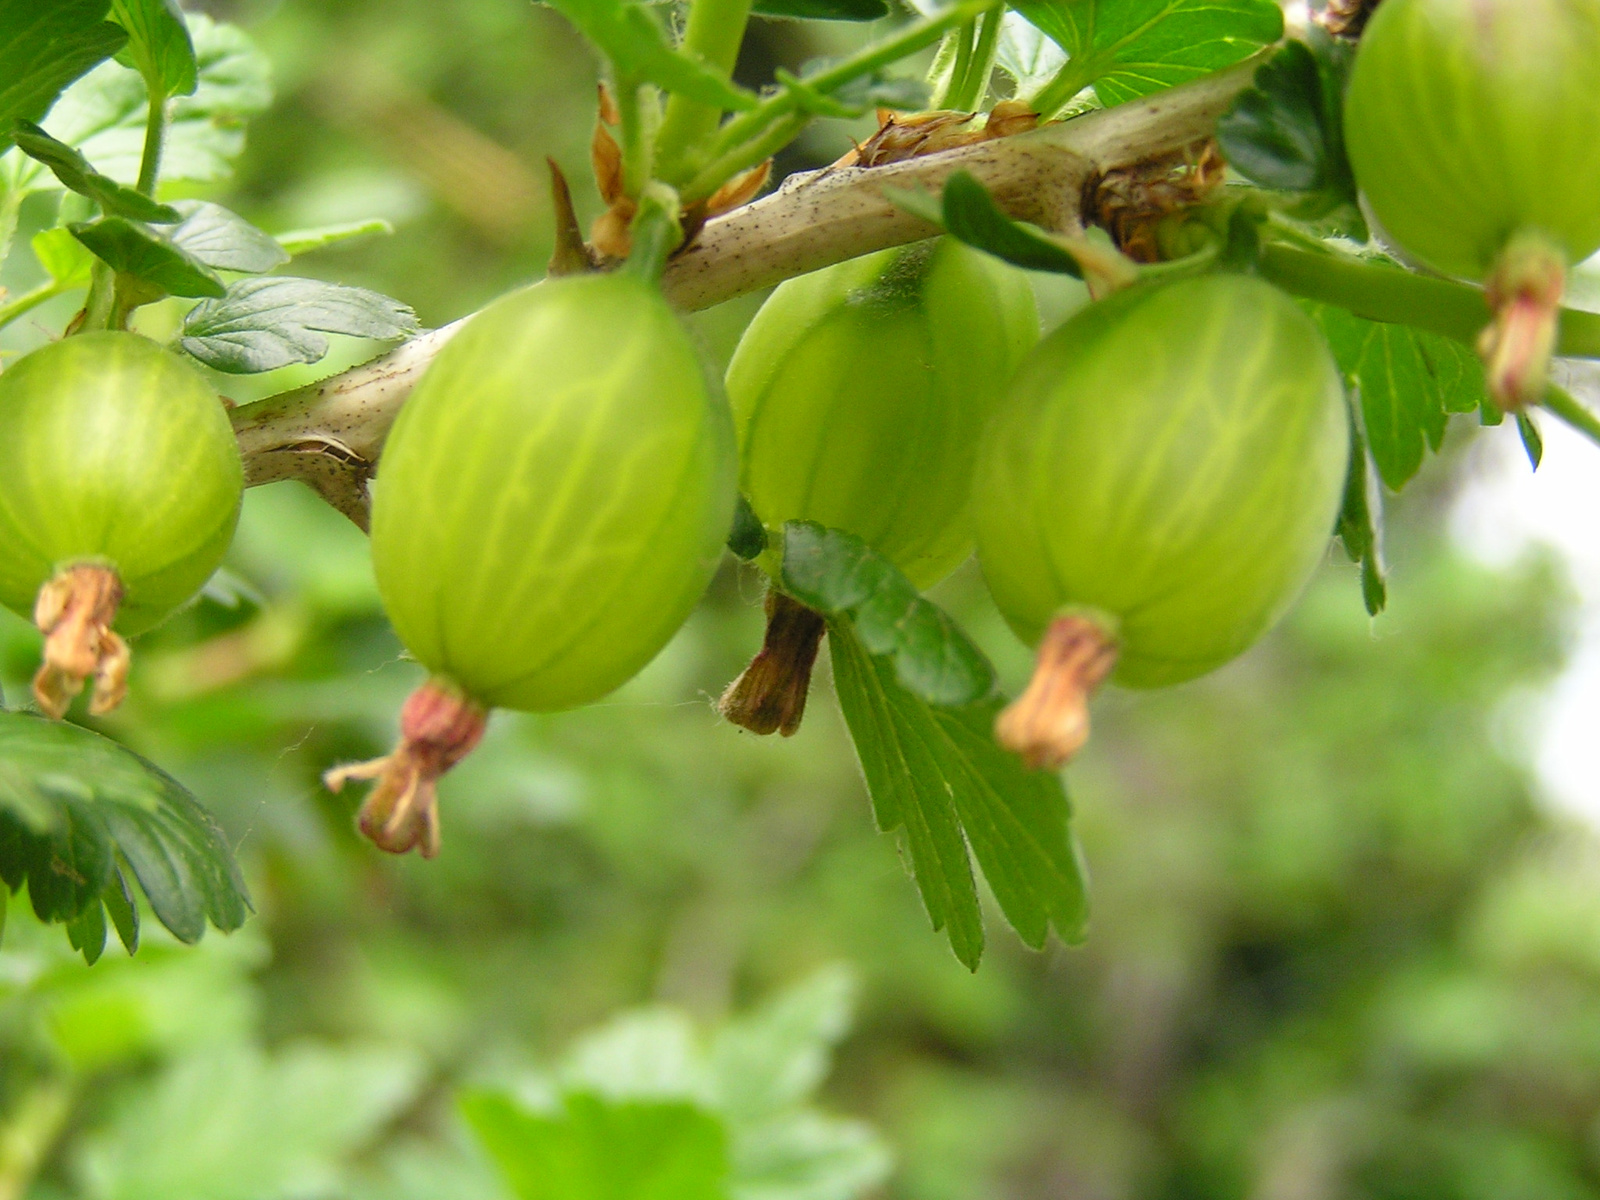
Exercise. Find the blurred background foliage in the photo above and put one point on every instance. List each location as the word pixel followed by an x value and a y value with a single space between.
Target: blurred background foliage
pixel 1338 949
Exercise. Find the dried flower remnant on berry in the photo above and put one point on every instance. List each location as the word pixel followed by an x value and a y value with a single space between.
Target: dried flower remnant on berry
pixel 1524 293
pixel 1049 723
pixel 75 612
pixel 439 726
pixel 770 696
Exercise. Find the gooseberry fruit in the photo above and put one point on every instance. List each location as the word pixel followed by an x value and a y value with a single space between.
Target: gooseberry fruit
pixel 1471 129
pixel 550 504
pixel 1156 492
pixel 120 484
pixel 859 393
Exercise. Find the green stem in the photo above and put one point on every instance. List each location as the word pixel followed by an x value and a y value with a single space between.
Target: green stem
pixel 744 130
pixel 718 172
pixel 97 307
pixel 714 34
pixel 10 310
pixel 974 84
pixel 155 133
pixel 656 232
pixel 956 80
pixel 636 109
pixel 1076 75
pixel 1563 404
pixel 1394 296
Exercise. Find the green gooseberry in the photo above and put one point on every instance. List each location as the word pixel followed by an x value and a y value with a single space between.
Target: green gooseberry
pixel 120 485
pixel 1157 490
pixel 550 505
pixel 860 392
pixel 1471 123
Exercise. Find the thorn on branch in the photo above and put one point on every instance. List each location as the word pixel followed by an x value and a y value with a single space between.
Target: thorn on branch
pixel 570 256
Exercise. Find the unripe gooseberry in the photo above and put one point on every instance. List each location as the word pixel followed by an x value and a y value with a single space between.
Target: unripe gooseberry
pixel 1157 491
pixel 550 504
pixel 860 392
pixel 1472 131
pixel 1468 123
pixel 120 484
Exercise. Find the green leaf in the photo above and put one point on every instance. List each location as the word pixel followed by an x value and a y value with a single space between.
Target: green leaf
pixel 235 1124
pixel 44 46
pixel 969 214
pixel 1130 48
pixel 270 322
pixel 823 10
pixel 937 773
pixel 633 38
pixel 1286 132
pixel 70 801
pixel 1025 54
pixel 133 248
pixel 64 257
pixel 75 173
pixel 223 240
pixel 748 537
pixel 304 241
pixel 839 575
pixel 1407 383
pixel 1532 441
pixel 103 114
pixel 159 47
pixel 1360 526
pixel 86 933
pixel 124 913
pixel 592 1148
pixel 776 1057
pixel 807 1156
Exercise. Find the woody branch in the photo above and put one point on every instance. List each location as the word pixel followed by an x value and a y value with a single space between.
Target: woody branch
pixel 329 434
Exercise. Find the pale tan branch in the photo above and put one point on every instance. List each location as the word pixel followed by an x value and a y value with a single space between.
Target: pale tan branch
pixel 330 434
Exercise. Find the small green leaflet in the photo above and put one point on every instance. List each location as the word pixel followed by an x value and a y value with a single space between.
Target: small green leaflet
pixel 1532 440
pixel 304 241
pixel 1025 54
pixel 839 575
pixel 920 701
pixel 1360 526
pixel 1286 132
pixel 269 322
pixel 133 248
pixel 80 814
pixel 75 173
pixel 64 257
pixel 1407 383
pixel 968 213
pixel 748 537
pixel 1131 48
pixel 597 1148
pixel 937 773
pixel 44 46
pixel 159 47
pixel 103 114
pixel 633 38
pixel 823 10
pixel 234 1123
pixel 223 240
